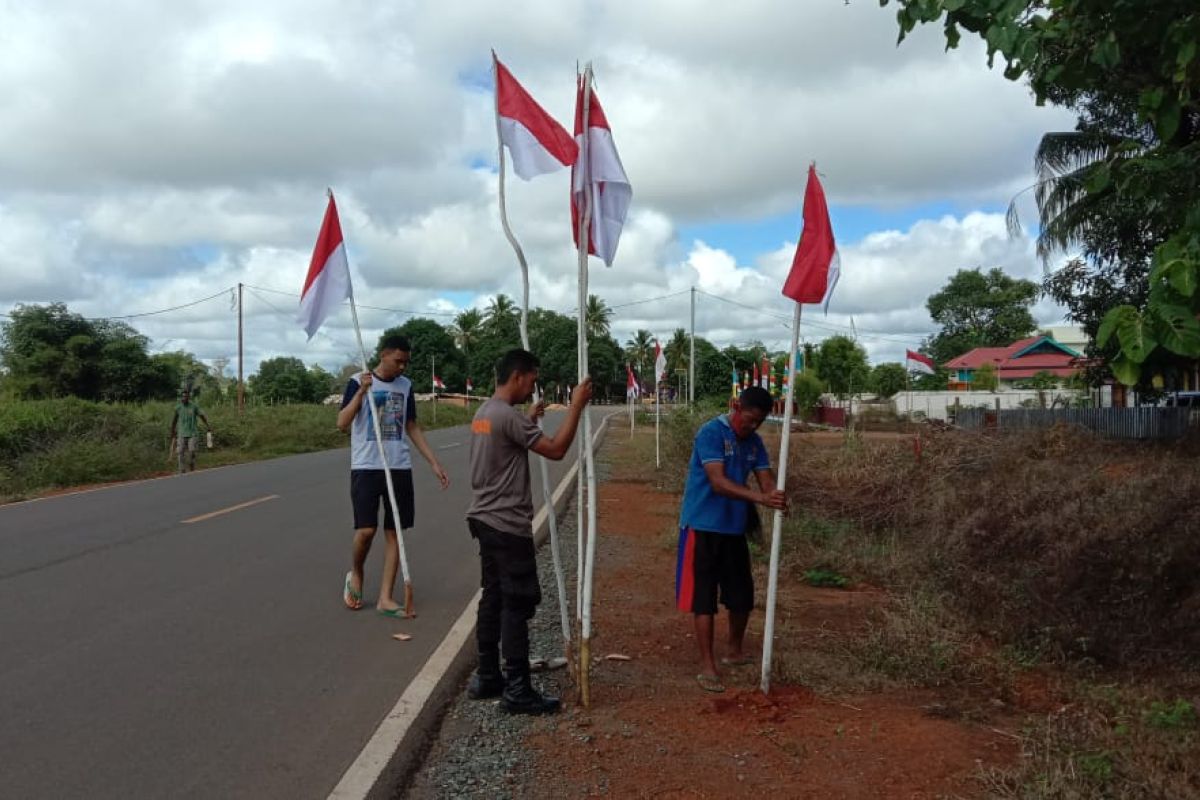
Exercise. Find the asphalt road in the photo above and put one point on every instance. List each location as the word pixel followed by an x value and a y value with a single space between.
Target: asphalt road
pixel 145 656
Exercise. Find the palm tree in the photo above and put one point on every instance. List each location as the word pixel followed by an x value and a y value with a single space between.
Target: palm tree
pixel 640 351
pixel 599 315
pixel 501 309
pixel 1070 210
pixel 678 350
pixel 466 329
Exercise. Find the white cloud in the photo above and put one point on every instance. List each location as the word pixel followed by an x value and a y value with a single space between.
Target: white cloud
pixel 153 155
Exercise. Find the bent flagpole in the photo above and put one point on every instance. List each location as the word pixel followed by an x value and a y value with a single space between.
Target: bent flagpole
pixel 326 286
pixel 547 501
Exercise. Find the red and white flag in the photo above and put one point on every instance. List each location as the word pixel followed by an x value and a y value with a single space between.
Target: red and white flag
pixel 437 383
pixel 603 177
pixel 766 373
pixel 757 380
pixel 815 267
pixel 470 388
pixel 660 363
pixel 537 143
pixel 631 386
pixel 918 362
pixel 327 285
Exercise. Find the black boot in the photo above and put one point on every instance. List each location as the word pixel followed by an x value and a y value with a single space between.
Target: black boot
pixel 519 695
pixel 486 681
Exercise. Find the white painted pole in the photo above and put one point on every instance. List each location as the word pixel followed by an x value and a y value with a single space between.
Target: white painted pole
pixel 387 472
pixel 777 524
pixel 692 355
pixel 657 417
pixel 586 567
pixel 547 502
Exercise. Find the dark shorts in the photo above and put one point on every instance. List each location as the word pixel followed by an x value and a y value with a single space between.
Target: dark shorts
pixel 709 562
pixel 368 489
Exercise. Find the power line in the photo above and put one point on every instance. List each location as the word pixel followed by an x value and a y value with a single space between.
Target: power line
pixel 360 305
pixel 163 310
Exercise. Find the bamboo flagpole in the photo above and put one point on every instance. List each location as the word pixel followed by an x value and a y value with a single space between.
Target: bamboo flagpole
pixel 547 501
pixel 600 198
pixel 808 281
pixel 586 571
pixel 325 287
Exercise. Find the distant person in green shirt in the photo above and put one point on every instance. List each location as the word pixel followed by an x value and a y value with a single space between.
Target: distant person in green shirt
pixel 184 425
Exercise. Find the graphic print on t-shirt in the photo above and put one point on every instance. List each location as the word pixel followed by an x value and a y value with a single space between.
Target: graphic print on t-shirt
pixel 391 417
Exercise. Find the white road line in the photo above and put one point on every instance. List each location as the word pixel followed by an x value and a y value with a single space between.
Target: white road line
pixel 230 509
pixel 448 446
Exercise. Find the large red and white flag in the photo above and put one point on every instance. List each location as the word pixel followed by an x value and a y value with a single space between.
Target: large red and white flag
pixel 660 363
pixel 327 285
pixel 537 143
pixel 918 362
pixel 815 267
pixel 602 177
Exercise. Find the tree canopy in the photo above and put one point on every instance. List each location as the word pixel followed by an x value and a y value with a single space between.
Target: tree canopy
pixel 1124 187
pixel 978 309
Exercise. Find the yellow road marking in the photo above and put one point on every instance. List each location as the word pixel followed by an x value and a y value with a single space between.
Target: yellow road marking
pixel 238 507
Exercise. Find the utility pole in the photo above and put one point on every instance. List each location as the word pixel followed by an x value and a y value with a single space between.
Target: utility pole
pixel 692 356
pixel 241 394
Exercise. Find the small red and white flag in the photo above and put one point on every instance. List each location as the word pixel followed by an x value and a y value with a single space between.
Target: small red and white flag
pixel 437 383
pixel 470 388
pixel 660 363
pixel 816 266
pixel 327 284
pixel 537 142
pixel 757 380
pixel 918 362
pixel 631 386
pixel 603 177
pixel 766 373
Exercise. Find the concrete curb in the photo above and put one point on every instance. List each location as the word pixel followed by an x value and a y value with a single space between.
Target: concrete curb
pixel 391 753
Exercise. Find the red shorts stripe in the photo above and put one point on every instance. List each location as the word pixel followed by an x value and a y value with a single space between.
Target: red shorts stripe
pixel 685 581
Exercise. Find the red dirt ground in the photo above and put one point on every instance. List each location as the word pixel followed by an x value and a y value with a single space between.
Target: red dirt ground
pixel 651 732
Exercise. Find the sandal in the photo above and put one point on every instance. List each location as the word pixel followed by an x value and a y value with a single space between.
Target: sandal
pixel 710 683
pixel 740 661
pixel 351 598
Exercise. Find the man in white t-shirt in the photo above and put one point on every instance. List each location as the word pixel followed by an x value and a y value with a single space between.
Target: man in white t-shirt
pixel 393 396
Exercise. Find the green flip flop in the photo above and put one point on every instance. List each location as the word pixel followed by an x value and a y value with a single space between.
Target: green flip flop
pixel 710 683
pixel 351 598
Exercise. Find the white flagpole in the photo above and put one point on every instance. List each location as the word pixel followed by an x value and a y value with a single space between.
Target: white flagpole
pixel 547 501
pixel 777 524
pixel 657 417
pixel 587 568
pixel 387 472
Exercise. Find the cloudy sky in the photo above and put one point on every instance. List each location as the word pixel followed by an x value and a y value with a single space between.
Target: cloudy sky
pixel 156 154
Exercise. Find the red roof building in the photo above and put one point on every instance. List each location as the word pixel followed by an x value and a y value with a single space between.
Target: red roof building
pixel 1016 363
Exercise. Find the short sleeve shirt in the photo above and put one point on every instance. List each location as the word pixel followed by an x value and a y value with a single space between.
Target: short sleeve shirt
pixel 394 399
pixel 703 509
pixel 500 440
pixel 188 416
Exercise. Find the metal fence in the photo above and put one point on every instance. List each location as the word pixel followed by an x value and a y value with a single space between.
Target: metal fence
pixel 1112 423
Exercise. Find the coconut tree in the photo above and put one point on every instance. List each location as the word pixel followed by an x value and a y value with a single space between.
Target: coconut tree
pixel 500 310
pixel 599 315
pixel 640 351
pixel 466 329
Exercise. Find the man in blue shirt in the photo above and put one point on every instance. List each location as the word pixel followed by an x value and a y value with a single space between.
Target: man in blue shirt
pixel 393 396
pixel 717 509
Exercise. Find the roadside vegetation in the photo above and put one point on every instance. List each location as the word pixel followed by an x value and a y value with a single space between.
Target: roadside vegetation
pixel 53 444
pixel 1047 584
